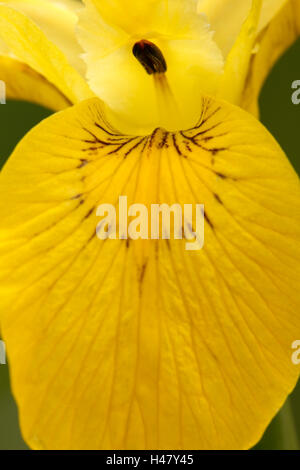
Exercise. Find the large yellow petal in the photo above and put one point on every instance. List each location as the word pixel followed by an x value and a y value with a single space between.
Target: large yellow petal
pixel 273 41
pixel 57 19
pixel 124 344
pixel 30 45
pixel 23 83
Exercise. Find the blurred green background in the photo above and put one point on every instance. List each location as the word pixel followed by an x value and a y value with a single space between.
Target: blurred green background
pixel 282 118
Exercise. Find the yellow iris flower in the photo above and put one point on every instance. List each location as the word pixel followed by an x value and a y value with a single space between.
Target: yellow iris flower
pixel 140 344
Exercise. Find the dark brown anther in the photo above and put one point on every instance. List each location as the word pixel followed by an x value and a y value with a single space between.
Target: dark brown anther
pixel 150 57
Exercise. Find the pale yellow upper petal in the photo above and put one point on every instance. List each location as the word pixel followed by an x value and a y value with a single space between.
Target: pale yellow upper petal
pixel 165 16
pixel 232 83
pixel 24 83
pixel 28 44
pixel 124 344
pixel 272 42
pixel 57 19
pixel 227 16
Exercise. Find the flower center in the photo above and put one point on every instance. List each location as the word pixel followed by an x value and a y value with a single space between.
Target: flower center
pixel 151 64
pixel 153 61
pixel 150 57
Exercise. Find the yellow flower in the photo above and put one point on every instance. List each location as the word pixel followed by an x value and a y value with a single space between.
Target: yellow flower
pixel 140 344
